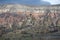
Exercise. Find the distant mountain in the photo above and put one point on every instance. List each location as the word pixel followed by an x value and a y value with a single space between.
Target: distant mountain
pixel 57 4
pixel 20 7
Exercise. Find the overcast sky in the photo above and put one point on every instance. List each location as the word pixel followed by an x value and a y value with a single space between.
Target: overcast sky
pixel 31 2
pixel 53 1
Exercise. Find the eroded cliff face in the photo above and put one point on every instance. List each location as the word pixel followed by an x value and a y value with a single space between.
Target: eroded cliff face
pixel 25 19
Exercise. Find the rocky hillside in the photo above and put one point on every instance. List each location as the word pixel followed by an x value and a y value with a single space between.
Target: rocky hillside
pixel 17 19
